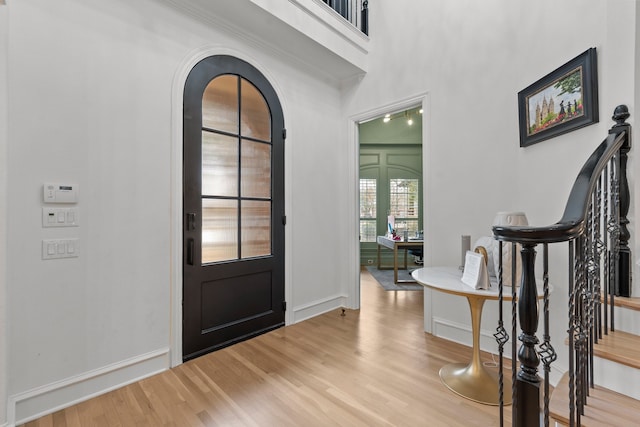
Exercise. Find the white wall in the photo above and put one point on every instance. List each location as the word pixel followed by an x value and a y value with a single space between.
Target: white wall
pixel 3 210
pixel 634 162
pixel 472 58
pixel 90 93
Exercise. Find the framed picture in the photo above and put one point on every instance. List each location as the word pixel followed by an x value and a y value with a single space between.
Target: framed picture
pixel 563 100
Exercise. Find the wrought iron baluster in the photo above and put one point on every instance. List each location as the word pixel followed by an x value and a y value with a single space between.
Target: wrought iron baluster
pixel 514 334
pixel 501 337
pixel 598 249
pixel 589 298
pixel 606 254
pixel 572 332
pixel 579 330
pixel 547 352
pixel 614 232
pixel 364 17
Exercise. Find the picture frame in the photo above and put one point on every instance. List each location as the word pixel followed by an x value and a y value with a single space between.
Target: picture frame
pixel 562 101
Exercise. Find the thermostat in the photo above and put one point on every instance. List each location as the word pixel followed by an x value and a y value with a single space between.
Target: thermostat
pixel 60 193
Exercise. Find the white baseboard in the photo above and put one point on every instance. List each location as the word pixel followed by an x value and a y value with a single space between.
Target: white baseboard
pixel 318 307
pixel 40 401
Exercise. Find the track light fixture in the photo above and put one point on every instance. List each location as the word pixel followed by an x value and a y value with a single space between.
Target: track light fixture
pixel 408 116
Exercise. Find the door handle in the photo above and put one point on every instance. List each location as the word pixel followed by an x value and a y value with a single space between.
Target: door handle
pixel 191 221
pixel 191 247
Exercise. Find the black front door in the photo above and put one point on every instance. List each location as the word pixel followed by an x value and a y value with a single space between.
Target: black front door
pixel 233 206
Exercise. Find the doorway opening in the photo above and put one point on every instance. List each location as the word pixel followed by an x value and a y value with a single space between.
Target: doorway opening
pixel 390 184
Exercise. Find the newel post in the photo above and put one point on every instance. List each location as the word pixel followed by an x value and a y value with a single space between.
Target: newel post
pixel 623 287
pixel 527 412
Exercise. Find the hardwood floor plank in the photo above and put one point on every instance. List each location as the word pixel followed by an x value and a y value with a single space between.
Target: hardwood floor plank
pixel 372 367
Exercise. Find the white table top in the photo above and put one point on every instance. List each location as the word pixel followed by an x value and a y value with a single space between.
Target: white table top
pixel 389 243
pixel 448 279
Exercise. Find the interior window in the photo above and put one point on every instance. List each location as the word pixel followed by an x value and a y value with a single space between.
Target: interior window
pixel 404 201
pixel 368 200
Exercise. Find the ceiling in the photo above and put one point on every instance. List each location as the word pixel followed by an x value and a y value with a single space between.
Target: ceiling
pixel 396 130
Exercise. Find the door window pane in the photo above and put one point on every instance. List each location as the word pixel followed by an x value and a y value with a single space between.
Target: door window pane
pixel 256 228
pixel 235 169
pixel 219 230
pixel 220 104
pixel 256 169
pixel 219 165
pixel 256 117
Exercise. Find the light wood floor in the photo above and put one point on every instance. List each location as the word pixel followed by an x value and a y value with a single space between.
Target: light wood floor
pixel 372 367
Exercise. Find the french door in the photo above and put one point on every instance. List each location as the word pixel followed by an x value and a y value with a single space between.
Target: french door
pixel 233 206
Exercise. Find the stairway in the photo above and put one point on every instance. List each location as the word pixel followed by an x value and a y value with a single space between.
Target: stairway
pixel 615 401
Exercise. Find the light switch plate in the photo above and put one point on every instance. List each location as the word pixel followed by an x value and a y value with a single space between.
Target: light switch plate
pixel 59 217
pixel 60 248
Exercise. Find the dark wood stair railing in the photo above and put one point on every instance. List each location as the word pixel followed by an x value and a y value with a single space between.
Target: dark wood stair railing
pixel 594 224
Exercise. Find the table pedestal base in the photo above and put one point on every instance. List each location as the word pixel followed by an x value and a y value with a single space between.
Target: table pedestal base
pixel 475 383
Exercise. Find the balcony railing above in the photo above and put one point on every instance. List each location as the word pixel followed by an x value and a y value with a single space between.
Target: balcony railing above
pixel 354 11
